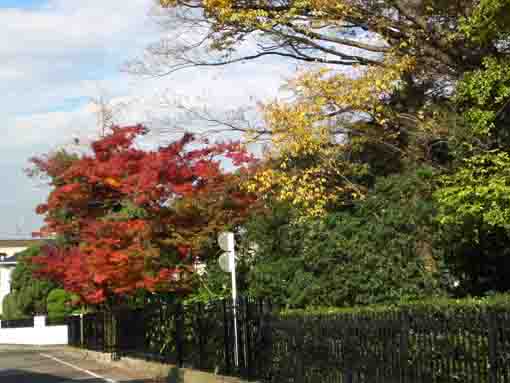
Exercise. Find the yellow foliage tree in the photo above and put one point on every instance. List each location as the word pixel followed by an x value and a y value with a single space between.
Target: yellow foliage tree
pixel 314 136
pixel 385 70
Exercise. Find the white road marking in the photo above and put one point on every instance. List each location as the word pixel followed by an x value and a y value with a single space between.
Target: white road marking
pixel 93 374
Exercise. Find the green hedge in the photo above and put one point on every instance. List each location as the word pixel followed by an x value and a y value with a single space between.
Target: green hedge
pixel 446 339
pixel 445 305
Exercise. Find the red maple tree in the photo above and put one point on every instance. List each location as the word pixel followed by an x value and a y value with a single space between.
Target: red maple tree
pixel 130 219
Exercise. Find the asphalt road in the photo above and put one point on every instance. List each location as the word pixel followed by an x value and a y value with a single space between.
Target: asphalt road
pixel 47 365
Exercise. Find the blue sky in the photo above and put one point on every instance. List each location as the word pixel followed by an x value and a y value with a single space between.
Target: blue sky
pixel 55 59
pixel 56 56
pixel 21 3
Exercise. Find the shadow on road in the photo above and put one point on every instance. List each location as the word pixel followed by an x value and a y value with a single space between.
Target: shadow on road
pixel 175 375
pixel 21 376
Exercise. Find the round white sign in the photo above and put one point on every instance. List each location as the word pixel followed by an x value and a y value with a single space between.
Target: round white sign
pixel 224 262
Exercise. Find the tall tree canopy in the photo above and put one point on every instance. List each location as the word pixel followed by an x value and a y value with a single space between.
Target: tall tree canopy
pixel 392 85
pixel 387 88
pixel 440 34
pixel 398 82
pixel 130 219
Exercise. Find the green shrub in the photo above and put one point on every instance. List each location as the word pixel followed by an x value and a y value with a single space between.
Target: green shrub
pixel 377 251
pixel 10 307
pixel 30 292
pixel 58 303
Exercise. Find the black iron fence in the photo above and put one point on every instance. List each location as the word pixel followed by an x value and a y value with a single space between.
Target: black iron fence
pixel 200 336
pixel 17 323
pixel 74 331
pixel 421 346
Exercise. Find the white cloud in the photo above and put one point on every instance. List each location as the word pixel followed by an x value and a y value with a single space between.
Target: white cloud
pixel 56 57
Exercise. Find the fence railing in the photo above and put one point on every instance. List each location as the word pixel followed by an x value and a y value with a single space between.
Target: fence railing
pixel 17 323
pixel 379 347
pixel 199 335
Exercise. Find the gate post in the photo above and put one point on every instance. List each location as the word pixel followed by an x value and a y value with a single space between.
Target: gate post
pixel 179 334
pixel 493 353
pixel 82 331
pixel 404 346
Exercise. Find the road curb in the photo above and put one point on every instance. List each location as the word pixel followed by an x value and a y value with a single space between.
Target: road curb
pixel 159 372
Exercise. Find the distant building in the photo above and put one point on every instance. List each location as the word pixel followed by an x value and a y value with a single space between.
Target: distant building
pixel 9 248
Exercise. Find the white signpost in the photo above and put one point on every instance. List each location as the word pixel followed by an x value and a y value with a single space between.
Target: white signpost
pixel 227 263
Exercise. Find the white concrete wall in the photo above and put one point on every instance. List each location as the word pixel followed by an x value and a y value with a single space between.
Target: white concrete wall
pixel 39 335
pixel 9 251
